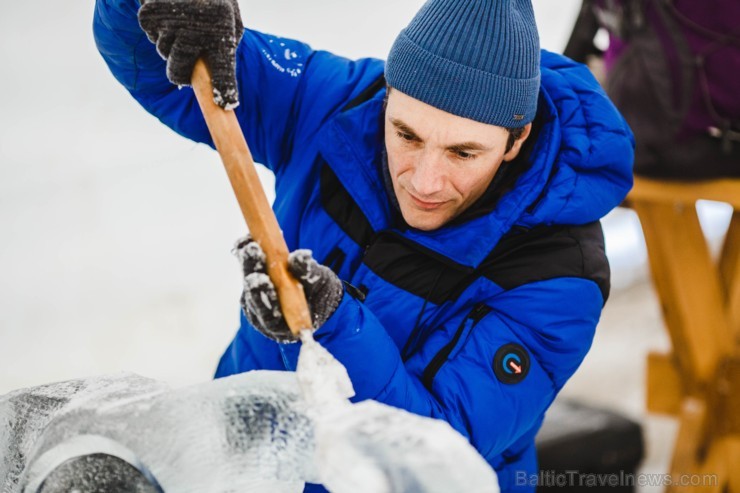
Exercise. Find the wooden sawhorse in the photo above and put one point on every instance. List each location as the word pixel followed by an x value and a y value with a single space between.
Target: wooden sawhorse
pixel 699 381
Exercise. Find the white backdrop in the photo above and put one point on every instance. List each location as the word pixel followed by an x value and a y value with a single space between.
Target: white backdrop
pixel 115 232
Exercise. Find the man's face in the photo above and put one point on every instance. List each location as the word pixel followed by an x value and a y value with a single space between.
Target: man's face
pixel 440 163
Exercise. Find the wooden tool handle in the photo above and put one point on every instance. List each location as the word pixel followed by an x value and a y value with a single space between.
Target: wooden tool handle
pixel 263 226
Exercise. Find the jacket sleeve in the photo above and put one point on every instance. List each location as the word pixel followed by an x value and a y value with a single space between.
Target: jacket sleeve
pixel 553 321
pixel 286 89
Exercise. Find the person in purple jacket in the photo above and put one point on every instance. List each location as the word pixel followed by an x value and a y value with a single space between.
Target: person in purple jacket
pixel 443 206
pixel 672 68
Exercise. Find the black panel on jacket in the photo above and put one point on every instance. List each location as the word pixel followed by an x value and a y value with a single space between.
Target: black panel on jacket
pixel 547 252
pixel 520 257
pixel 416 269
pixel 341 207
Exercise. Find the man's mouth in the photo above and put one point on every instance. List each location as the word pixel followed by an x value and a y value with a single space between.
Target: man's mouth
pixel 424 205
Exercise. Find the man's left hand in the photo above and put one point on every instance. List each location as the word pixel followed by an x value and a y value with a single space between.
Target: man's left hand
pixel 259 300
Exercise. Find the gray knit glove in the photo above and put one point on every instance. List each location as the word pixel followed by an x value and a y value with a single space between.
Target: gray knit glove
pixel 259 300
pixel 185 30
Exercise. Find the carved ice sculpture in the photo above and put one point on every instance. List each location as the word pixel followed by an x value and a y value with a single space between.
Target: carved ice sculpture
pixel 258 431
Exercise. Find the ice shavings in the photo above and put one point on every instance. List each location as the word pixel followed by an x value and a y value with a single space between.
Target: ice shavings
pixel 323 380
pixel 259 284
pixel 303 256
pixel 265 300
pixel 227 101
pixel 373 448
pixel 248 252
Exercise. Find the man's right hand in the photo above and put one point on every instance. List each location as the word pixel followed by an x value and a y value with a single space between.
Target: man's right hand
pixel 186 30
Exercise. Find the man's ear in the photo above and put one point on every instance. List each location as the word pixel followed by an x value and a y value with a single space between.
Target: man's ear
pixel 514 151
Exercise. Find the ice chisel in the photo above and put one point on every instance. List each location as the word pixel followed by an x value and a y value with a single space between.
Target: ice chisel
pixel 263 226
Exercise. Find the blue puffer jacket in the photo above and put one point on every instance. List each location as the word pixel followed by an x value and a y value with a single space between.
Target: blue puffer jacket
pixel 479 323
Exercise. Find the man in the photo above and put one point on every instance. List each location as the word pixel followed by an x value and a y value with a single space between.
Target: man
pixel 459 203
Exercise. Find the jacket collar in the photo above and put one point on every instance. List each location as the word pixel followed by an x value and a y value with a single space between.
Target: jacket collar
pixel 580 166
pixel 352 145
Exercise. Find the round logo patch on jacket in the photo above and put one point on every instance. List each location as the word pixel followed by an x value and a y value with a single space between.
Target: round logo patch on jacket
pixel 511 363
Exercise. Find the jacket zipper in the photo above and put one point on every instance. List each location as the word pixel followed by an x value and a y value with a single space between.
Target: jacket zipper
pixel 476 314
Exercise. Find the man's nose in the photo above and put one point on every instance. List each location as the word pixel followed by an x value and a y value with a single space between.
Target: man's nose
pixel 428 176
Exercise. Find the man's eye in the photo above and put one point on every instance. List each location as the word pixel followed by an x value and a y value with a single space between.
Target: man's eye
pixel 407 137
pixel 464 155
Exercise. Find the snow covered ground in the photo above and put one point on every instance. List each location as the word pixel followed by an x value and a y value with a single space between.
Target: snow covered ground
pixel 116 232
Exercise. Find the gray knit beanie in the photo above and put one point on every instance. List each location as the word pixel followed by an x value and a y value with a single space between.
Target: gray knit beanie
pixel 479 59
